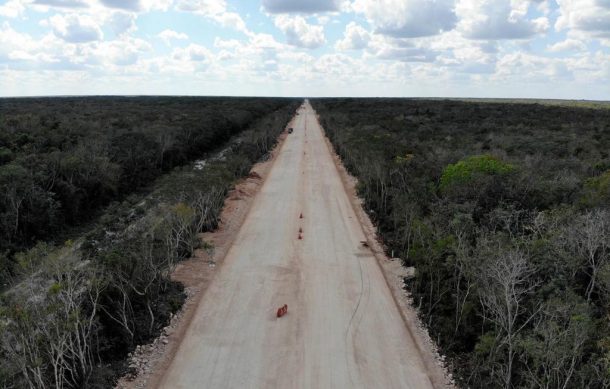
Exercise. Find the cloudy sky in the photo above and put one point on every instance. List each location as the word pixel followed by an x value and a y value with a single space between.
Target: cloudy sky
pixel 479 48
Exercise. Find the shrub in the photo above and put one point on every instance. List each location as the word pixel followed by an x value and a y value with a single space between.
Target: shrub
pixel 466 170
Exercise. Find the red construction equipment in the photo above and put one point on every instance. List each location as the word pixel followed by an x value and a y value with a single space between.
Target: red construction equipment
pixel 281 311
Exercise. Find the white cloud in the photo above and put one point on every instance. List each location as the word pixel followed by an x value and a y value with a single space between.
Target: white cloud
pixel 471 57
pixel 449 53
pixel 225 55
pixel 401 50
pixel 568 45
pixel 231 20
pixel 137 5
pixel 448 46
pixel 21 52
pixel 128 5
pixel 12 8
pixel 408 18
pixel 11 40
pixel 100 5
pixel 408 54
pixel 119 53
pixel 190 61
pixel 264 42
pixel 299 33
pixel 231 44
pixel 215 10
pixel 158 5
pixel 64 3
pixel 300 6
pixel 193 52
pixel 498 19
pixel 75 28
pixel 519 66
pixel 296 56
pixel 586 18
pixel 544 6
pixel 122 22
pixel 355 37
pixel 323 19
pixel 335 64
pixel 168 35
pixel 203 7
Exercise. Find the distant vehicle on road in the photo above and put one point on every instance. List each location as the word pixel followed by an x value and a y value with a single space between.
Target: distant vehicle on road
pixel 290 130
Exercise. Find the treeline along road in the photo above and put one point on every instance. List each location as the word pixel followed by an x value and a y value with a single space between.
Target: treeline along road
pixel 502 208
pixel 62 159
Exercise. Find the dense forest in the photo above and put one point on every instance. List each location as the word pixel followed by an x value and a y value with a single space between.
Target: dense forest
pixel 100 198
pixel 503 210
pixel 61 159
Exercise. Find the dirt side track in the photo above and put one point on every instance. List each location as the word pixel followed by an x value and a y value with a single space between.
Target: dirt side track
pixel 343 328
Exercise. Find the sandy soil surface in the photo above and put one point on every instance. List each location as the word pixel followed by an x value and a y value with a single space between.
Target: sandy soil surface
pixel 343 327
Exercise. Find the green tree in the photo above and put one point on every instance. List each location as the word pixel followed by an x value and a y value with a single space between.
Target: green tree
pixel 468 170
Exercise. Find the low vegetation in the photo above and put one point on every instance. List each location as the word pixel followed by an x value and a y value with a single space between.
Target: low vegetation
pixel 503 209
pixel 73 310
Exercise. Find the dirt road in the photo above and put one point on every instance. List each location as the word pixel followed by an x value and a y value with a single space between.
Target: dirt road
pixel 343 328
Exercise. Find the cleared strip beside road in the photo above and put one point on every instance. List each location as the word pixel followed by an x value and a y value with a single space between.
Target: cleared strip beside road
pixel 343 328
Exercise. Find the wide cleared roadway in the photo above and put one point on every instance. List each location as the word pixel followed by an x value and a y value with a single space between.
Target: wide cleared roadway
pixel 343 328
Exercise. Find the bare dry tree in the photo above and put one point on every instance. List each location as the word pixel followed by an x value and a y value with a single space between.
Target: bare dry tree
pixel 206 206
pixel 50 333
pixel 589 238
pixel 166 138
pixel 121 311
pixel 180 223
pixel 462 275
pixel 505 280
pixel 556 344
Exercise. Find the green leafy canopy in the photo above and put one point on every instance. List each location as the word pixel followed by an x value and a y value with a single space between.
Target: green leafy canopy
pixel 471 167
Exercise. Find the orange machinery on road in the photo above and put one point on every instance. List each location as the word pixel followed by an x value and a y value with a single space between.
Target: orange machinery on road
pixel 281 311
